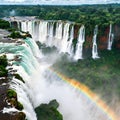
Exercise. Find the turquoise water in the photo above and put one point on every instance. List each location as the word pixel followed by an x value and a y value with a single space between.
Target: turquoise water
pixel 24 51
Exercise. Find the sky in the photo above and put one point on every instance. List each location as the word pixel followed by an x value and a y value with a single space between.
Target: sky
pixel 58 2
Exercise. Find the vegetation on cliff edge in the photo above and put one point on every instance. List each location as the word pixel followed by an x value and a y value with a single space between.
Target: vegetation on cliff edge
pixel 3 65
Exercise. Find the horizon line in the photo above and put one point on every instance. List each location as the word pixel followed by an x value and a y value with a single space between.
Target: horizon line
pixel 59 4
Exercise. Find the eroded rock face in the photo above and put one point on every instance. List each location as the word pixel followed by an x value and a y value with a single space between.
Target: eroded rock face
pixel 76 31
pixel 102 38
pixel 14 24
pixel 12 116
pixel 117 36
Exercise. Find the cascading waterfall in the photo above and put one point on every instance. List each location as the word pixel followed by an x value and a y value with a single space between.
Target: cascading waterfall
pixel 24 68
pixel 34 47
pixel 70 42
pixel 43 31
pixel 23 96
pixel 65 38
pixel 50 34
pixel 24 26
pixel 110 38
pixel 58 35
pixel 27 66
pixel 94 48
pixel 79 45
pixel 30 27
pixel 61 35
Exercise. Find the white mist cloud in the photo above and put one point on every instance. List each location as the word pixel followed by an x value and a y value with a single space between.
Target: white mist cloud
pixel 60 2
pixel 14 1
pixel 74 105
pixel 12 13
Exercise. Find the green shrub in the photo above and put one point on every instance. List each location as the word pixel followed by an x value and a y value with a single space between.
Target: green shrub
pixel 54 104
pixel 48 111
pixel 3 64
pixel 12 97
pixel 3 60
pixel 15 34
pixel 19 106
pixel 11 94
pixel 3 71
pixel 11 29
pixel 4 24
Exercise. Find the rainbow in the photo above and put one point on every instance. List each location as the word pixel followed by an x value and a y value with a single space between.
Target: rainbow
pixel 91 95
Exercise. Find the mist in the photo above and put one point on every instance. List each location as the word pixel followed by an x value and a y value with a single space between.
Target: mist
pixel 43 85
pixel 12 13
pixel 74 105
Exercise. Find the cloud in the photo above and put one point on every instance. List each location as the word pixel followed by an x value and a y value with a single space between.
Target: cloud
pixel 61 2
pixel 14 1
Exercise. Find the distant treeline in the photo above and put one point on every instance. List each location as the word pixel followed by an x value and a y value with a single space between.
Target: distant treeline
pixel 85 14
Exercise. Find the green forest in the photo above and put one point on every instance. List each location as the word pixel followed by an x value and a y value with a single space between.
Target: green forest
pixel 85 14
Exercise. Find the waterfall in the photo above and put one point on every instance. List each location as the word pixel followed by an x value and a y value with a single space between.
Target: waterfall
pixel 33 47
pixel 50 33
pixel 22 93
pixel 110 38
pixel 79 45
pixel 59 30
pixel 30 27
pixel 65 38
pixel 24 26
pixel 22 90
pixel 70 42
pixel 94 48
pixel 26 67
pixel 43 31
pixel 58 35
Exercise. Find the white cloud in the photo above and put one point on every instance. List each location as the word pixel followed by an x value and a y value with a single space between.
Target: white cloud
pixel 15 1
pixel 68 2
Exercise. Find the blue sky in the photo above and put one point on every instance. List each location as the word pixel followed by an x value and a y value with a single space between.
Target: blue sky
pixel 58 2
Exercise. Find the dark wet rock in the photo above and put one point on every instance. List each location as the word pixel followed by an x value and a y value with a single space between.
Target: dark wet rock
pixel 3 96
pixel 10 68
pixel 13 116
pixel 17 58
